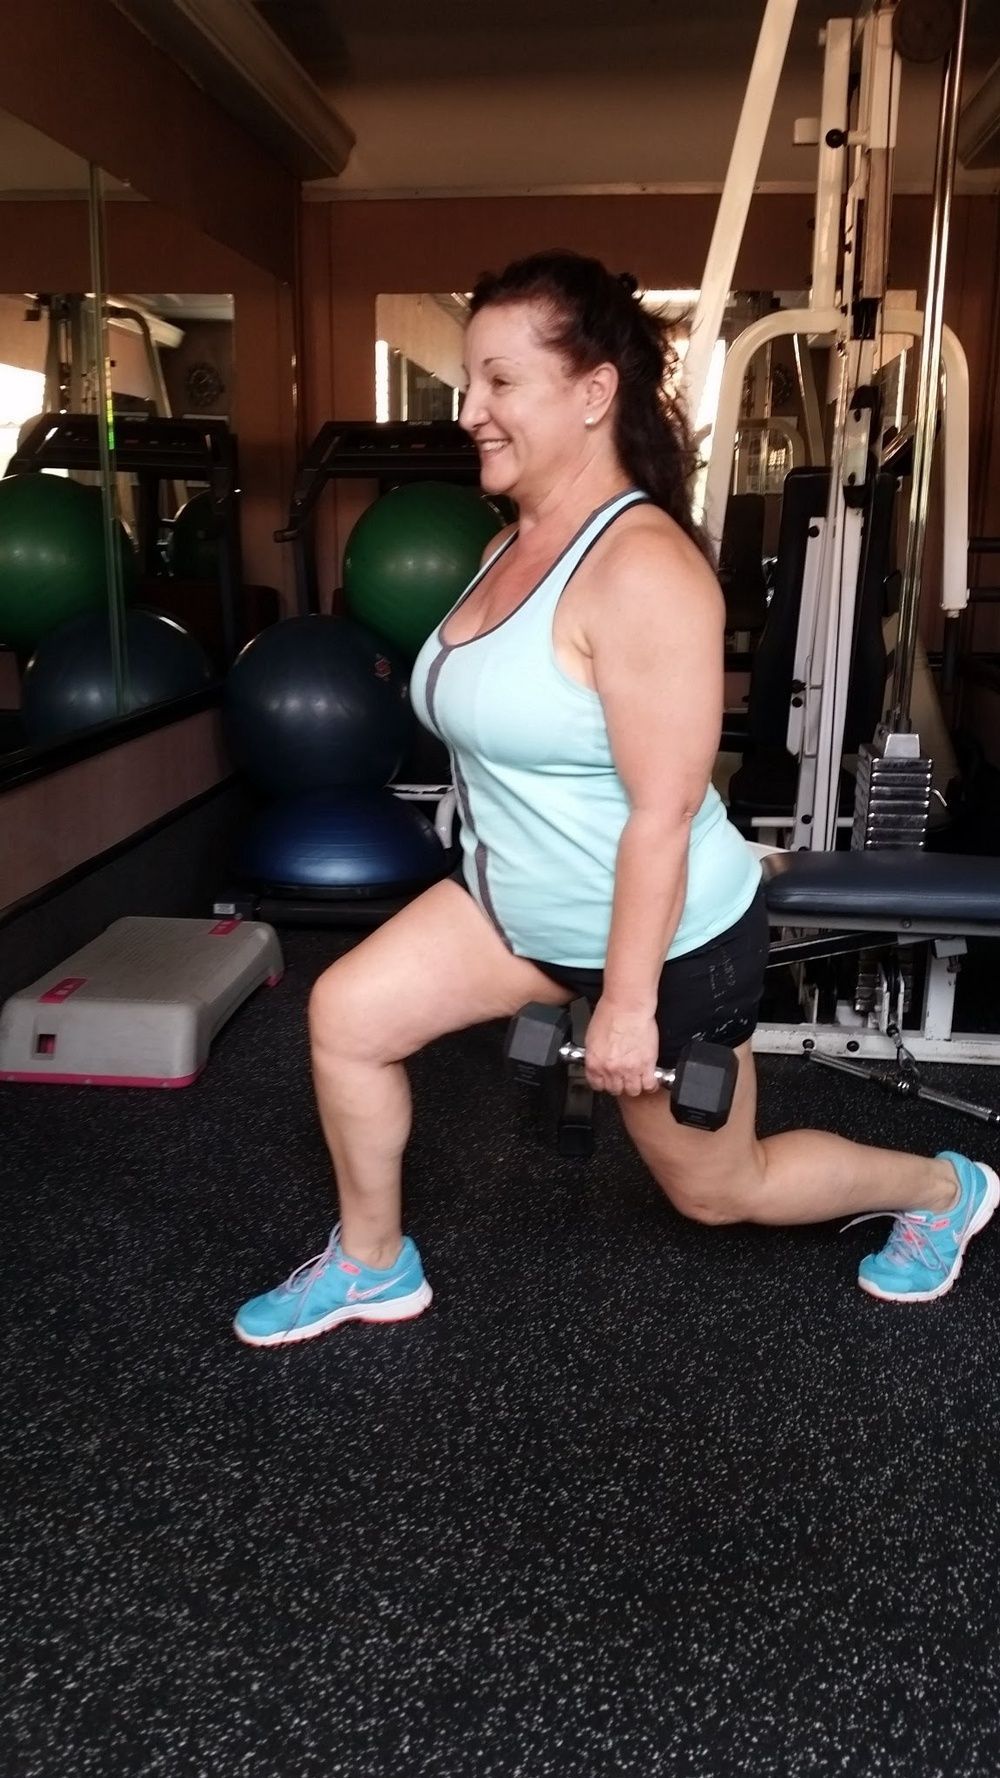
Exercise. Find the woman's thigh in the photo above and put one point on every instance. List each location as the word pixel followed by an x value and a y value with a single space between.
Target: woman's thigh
pixel 713 994
pixel 712 1176
pixel 437 966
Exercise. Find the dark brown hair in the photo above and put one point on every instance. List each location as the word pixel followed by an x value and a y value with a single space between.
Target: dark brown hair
pixel 596 318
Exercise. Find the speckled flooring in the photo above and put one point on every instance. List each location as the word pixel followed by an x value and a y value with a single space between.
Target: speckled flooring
pixel 635 1498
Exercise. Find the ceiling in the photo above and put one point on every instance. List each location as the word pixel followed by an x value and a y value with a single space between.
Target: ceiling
pixel 449 96
pixel 345 42
pixel 574 95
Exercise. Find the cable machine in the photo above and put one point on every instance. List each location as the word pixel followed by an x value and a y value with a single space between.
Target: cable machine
pixel 850 310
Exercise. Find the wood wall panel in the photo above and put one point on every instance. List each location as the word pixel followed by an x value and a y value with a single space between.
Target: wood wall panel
pixel 55 824
pixel 264 417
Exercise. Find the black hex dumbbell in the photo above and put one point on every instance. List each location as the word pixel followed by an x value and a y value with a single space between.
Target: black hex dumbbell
pixel 701 1086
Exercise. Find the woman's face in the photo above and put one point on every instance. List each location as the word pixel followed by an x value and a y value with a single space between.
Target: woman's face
pixel 522 408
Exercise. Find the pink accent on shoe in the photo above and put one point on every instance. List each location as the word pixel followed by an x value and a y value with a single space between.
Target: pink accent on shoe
pixel 355 1295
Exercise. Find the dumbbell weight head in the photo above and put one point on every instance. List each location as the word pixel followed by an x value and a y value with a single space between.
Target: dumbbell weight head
pixel 534 1040
pixel 701 1086
pixel 704 1084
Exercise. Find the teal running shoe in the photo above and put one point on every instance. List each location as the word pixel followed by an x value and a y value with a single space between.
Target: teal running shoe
pixel 923 1255
pixel 331 1289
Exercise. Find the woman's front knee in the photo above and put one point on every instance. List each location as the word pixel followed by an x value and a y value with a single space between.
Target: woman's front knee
pixel 337 1021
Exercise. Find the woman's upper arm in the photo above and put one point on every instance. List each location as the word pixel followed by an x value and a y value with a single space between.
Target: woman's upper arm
pixel 656 629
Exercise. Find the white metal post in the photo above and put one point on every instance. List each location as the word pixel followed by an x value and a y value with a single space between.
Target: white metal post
pixel 878 110
pixel 809 398
pixel 943 964
pixel 831 685
pixel 955 466
pixel 741 178
pixel 832 161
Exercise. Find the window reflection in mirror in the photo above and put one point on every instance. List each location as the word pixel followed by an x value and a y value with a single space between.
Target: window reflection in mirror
pixel 172 362
pixel 418 356
pixel 53 563
pixel 71 656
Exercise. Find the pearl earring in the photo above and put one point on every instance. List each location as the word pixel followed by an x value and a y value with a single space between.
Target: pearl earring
pixel 590 420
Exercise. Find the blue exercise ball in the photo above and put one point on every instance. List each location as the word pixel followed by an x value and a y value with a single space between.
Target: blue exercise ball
pixel 69 681
pixel 351 842
pixel 196 537
pixel 314 703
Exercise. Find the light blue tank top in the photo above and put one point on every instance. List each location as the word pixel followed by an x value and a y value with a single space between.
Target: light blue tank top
pixel 540 804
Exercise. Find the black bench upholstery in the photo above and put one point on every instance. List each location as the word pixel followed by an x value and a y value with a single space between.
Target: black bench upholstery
pixel 882 887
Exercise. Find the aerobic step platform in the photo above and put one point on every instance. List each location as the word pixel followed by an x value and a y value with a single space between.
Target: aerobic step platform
pixel 139 1006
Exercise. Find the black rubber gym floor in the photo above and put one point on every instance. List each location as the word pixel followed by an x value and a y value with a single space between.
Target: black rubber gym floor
pixel 635 1497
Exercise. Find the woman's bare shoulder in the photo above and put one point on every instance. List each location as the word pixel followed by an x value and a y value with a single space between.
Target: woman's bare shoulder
pixel 646 547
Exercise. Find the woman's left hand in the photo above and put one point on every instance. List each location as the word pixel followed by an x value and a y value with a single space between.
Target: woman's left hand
pixel 622 1049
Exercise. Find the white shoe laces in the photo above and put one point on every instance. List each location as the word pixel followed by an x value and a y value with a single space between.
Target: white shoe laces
pixel 301 1281
pixel 910 1239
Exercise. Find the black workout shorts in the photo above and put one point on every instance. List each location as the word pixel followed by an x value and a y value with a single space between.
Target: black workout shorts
pixel 713 993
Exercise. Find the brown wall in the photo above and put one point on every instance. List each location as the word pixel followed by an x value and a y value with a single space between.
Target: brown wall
pixel 82 73
pixel 54 824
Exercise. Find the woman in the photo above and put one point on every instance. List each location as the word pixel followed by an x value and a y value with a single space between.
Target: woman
pixel 578 684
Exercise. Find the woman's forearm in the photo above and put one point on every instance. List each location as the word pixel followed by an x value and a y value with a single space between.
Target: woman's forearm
pixel 650 884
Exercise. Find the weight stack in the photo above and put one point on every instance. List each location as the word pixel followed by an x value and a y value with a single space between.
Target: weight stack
pixel 892 798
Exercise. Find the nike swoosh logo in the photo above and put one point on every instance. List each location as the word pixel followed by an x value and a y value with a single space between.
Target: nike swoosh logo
pixel 355 1295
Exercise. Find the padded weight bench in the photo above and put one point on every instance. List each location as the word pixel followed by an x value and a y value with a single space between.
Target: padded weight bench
pixel 835 903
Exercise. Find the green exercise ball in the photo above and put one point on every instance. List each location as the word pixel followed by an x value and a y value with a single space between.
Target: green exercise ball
pixel 195 540
pixel 52 564
pixel 412 554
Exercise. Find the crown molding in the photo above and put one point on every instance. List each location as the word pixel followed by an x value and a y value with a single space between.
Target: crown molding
pixel 240 63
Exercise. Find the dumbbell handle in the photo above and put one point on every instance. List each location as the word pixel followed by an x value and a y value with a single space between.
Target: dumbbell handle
pixel 573 1052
